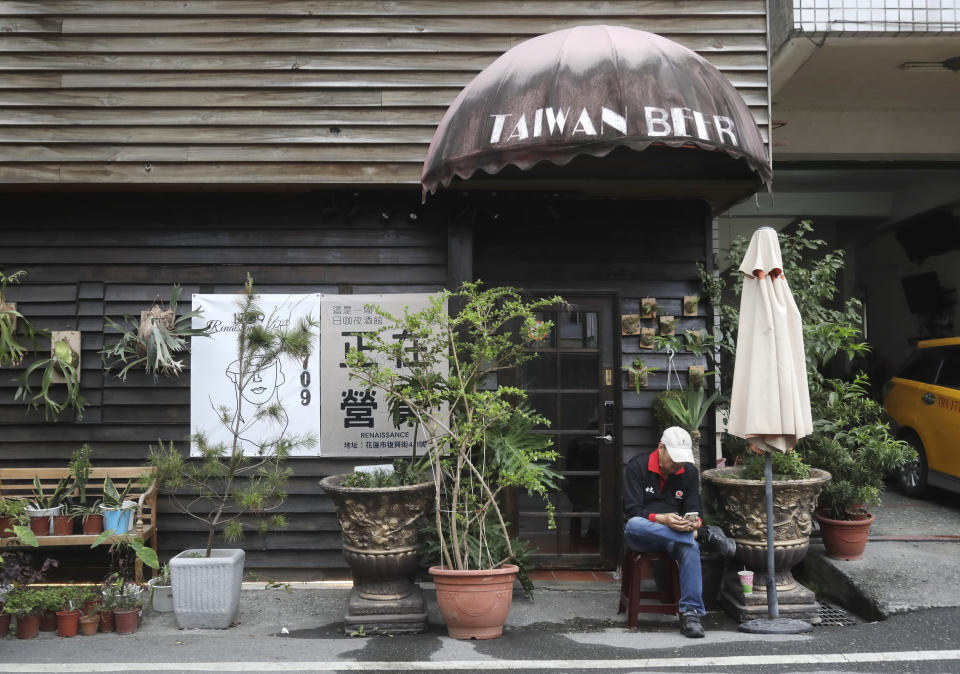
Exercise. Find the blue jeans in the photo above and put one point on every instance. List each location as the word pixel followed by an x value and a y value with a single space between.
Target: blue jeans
pixel 642 535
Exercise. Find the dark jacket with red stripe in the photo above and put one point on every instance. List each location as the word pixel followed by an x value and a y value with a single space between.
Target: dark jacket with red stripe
pixel 647 493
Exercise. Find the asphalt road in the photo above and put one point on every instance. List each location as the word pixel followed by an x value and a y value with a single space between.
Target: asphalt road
pixel 923 641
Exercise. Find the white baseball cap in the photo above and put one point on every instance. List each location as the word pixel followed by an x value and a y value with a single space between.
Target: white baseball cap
pixel 678 444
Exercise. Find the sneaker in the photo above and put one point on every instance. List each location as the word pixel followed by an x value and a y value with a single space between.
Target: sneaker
pixel 713 539
pixel 690 626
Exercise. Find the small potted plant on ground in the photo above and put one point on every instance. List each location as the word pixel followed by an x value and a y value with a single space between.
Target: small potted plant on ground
pixel 154 340
pixel 228 483
pixel 68 616
pixel 480 442
pixel 127 602
pixel 90 620
pixel 26 603
pixel 161 592
pixel 43 507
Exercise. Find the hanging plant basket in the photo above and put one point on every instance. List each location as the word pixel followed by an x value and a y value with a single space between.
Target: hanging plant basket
pixel 646 338
pixel 667 326
pixel 648 307
pixel 630 324
pixel 691 305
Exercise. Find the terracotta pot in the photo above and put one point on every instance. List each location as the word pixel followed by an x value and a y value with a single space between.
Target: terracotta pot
pixel 89 624
pixel 127 620
pixel 474 604
pixel 48 622
pixel 6 523
pixel 67 623
pixel 844 539
pixel 88 606
pixel 40 526
pixel 106 620
pixel 28 626
pixel 62 525
pixel 93 525
pixel 4 622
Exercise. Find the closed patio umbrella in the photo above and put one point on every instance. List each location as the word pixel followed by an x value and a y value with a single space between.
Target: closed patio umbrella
pixel 770 403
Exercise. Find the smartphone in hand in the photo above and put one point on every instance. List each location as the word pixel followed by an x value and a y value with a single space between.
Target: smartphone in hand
pixel 692 516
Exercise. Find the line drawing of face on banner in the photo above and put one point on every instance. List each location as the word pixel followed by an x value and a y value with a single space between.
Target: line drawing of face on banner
pixel 262 388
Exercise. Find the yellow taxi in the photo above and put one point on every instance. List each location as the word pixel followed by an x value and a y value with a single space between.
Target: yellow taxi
pixel 924 402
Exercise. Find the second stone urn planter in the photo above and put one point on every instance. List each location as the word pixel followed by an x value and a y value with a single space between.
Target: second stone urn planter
pixel 381 535
pixel 740 506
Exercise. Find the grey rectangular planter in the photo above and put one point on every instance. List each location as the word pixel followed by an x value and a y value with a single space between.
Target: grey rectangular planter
pixel 206 590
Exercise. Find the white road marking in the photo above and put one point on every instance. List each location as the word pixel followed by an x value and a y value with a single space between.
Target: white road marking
pixel 491 665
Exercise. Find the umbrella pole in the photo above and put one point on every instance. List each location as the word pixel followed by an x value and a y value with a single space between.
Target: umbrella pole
pixel 773 624
pixel 772 609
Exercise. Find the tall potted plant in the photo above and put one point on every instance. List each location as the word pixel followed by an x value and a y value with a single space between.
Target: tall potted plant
pixel 225 483
pixel 479 437
pixel 381 516
pixel 854 443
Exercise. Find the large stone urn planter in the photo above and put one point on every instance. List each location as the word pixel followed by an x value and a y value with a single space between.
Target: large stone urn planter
pixel 381 534
pixel 740 506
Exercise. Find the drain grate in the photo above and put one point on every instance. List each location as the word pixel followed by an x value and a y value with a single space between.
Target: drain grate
pixel 832 616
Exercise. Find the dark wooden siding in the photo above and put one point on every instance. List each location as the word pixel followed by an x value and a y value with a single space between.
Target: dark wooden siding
pixel 174 92
pixel 96 255
pixel 632 249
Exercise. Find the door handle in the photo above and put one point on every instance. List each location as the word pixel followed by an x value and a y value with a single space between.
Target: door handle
pixel 607 439
pixel 928 398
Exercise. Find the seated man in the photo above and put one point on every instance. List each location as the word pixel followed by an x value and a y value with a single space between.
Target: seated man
pixel 660 488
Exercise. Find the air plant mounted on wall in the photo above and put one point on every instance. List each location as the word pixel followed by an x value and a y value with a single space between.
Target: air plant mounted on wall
pixel 154 341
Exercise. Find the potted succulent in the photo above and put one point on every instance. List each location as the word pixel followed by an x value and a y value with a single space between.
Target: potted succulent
pixel 639 374
pixel 153 341
pixel 688 411
pixel 480 441
pixel 90 514
pixel 64 362
pixel 228 483
pixel 161 591
pixel 42 508
pixel 11 350
pixel 117 510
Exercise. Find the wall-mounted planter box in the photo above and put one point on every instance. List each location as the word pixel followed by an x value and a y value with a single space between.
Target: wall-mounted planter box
pixel 667 326
pixel 691 305
pixel 646 338
pixel 648 307
pixel 695 376
pixel 630 324
pixel 72 338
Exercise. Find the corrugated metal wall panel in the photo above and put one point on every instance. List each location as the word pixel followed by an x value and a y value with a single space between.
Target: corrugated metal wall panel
pixel 173 92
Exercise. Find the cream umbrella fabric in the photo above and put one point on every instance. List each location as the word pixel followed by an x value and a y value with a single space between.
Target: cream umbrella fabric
pixel 770 403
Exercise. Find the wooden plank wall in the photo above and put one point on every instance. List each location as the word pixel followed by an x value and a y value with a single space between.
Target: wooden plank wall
pixel 173 92
pixel 95 255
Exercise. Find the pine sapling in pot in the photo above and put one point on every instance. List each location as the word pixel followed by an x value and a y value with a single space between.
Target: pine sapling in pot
pixel 229 482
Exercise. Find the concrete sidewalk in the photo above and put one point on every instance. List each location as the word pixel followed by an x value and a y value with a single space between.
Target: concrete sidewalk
pixel 912 560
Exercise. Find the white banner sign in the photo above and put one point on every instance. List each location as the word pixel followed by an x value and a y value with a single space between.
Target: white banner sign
pixel 215 381
pixel 318 397
pixel 356 417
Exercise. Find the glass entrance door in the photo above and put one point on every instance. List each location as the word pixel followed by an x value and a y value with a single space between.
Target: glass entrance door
pixel 571 383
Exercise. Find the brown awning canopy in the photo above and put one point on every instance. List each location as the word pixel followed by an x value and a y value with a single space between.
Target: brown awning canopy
pixel 588 90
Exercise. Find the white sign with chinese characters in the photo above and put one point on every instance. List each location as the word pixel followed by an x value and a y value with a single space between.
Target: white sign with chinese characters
pixel 356 418
pixel 215 380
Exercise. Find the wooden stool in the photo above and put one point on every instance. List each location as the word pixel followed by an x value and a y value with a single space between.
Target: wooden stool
pixel 638 566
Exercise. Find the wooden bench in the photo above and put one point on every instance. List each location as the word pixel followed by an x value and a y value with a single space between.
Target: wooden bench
pixel 18 483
